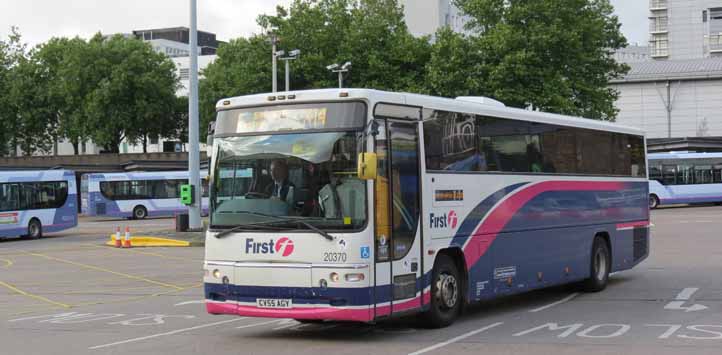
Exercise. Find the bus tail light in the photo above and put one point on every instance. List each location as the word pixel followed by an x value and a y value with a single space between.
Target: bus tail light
pixel 354 277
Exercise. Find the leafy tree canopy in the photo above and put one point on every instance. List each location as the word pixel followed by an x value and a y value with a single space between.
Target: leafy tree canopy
pixel 371 34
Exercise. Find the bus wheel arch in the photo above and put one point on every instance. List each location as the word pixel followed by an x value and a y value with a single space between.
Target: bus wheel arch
pixel 140 212
pixel 35 228
pixel 449 273
pixel 653 201
pixel 600 263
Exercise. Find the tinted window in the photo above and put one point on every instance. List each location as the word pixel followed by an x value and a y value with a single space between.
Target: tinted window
pixel 451 142
pixel 145 189
pixel 404 186
pixel 503 145
pixel 686 171
pixel 33 195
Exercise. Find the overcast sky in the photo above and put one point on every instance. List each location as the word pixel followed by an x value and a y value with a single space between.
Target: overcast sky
pixel 39 20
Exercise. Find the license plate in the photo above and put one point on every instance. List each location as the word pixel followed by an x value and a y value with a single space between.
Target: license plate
pixel 274 303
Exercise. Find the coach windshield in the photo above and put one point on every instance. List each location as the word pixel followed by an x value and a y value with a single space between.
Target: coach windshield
pixel 287 177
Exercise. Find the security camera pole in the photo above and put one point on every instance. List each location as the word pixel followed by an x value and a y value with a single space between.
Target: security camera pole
pixel 334 68
pixel 194 210
pixel 292 55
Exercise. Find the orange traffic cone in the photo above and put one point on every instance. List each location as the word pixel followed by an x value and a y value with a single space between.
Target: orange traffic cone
pixel 118 241
pixel 126 242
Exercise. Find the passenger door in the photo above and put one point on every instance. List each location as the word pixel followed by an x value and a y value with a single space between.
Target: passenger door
pixel 397 202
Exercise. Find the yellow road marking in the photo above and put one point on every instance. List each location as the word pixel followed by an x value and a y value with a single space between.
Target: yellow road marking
pixel 22 253
pixel 146 253
pixel 97 268
pixel 27 294
pixel 8 263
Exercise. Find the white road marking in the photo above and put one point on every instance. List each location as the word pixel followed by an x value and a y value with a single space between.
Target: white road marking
pixel 164 334
pixel 454 340
pixel 679 306
pixel 683 297
pixel 687 293
pixel 189 302
pixel 565 299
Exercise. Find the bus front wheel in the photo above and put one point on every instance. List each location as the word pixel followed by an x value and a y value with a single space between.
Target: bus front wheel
pixel 35 229
pixel 139 212
pixel 600 266
pixel 653 201
pixel 446 293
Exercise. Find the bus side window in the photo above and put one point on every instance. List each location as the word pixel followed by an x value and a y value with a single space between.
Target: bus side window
pixel 669 175
pixel 655 173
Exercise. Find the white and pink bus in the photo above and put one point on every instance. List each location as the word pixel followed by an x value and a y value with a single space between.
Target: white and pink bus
pixel 361 205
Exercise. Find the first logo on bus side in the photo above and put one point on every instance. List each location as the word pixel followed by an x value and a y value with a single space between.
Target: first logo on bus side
pixel 283 246
pixel 445 220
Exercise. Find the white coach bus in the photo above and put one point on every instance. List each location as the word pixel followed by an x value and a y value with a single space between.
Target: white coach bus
pixel 360 205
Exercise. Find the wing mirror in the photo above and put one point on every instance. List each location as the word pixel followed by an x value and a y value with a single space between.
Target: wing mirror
pixel 367 163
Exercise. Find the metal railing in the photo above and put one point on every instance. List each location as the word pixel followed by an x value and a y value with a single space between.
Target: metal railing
pixel 714 42
pixel 658 24
pixel 657 4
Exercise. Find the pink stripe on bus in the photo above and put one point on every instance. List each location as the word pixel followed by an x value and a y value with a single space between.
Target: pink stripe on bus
pixel 641 224
pixel 485 234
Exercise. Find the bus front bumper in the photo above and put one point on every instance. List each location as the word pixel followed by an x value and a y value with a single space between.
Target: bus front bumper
pixel 354 314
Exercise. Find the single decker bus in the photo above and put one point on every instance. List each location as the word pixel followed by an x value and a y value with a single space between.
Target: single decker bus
pixel 361 205
pixel 684 178
pixel 33 203
pixel 136 195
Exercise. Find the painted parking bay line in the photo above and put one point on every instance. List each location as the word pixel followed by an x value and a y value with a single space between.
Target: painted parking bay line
pixel 36 297
pixel 97 268
pixel 456 339
pixel 563 300
pixel 165 334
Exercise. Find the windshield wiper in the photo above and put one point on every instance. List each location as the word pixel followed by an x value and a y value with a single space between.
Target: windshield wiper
pixel 314 228
pixel 245 226
pixel 277 219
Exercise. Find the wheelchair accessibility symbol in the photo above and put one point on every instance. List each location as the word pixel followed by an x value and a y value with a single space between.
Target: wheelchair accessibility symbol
pixel 365 252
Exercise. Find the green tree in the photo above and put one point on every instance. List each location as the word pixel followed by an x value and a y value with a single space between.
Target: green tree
pixel 552 55
pixel 133 94
pixel 454 68
pixel 68 66
pixel 12 50
pixel 371 34
pixel 25 117
pixel 34 124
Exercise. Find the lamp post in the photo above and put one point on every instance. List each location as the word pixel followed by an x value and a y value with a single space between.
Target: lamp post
pixel 292 55
pixel 194 210
pixel 334 68
pixel 274 60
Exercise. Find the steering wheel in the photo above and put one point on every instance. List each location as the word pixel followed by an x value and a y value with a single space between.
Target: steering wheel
pixel 252 195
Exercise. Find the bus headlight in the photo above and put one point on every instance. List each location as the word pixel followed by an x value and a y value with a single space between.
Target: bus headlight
pixel 334 277
pixel 354 277
pixel 217 273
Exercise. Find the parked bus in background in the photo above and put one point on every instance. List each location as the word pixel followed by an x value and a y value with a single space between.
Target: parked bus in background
pixel 361 205
pixel 685 178
pixel 33 203
pixel 136 195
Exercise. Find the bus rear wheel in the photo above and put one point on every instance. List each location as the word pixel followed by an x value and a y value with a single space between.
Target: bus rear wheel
pixel 35 229
pixel 139 212
pixel 446 294
pixel 653 201
pixel 600 266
